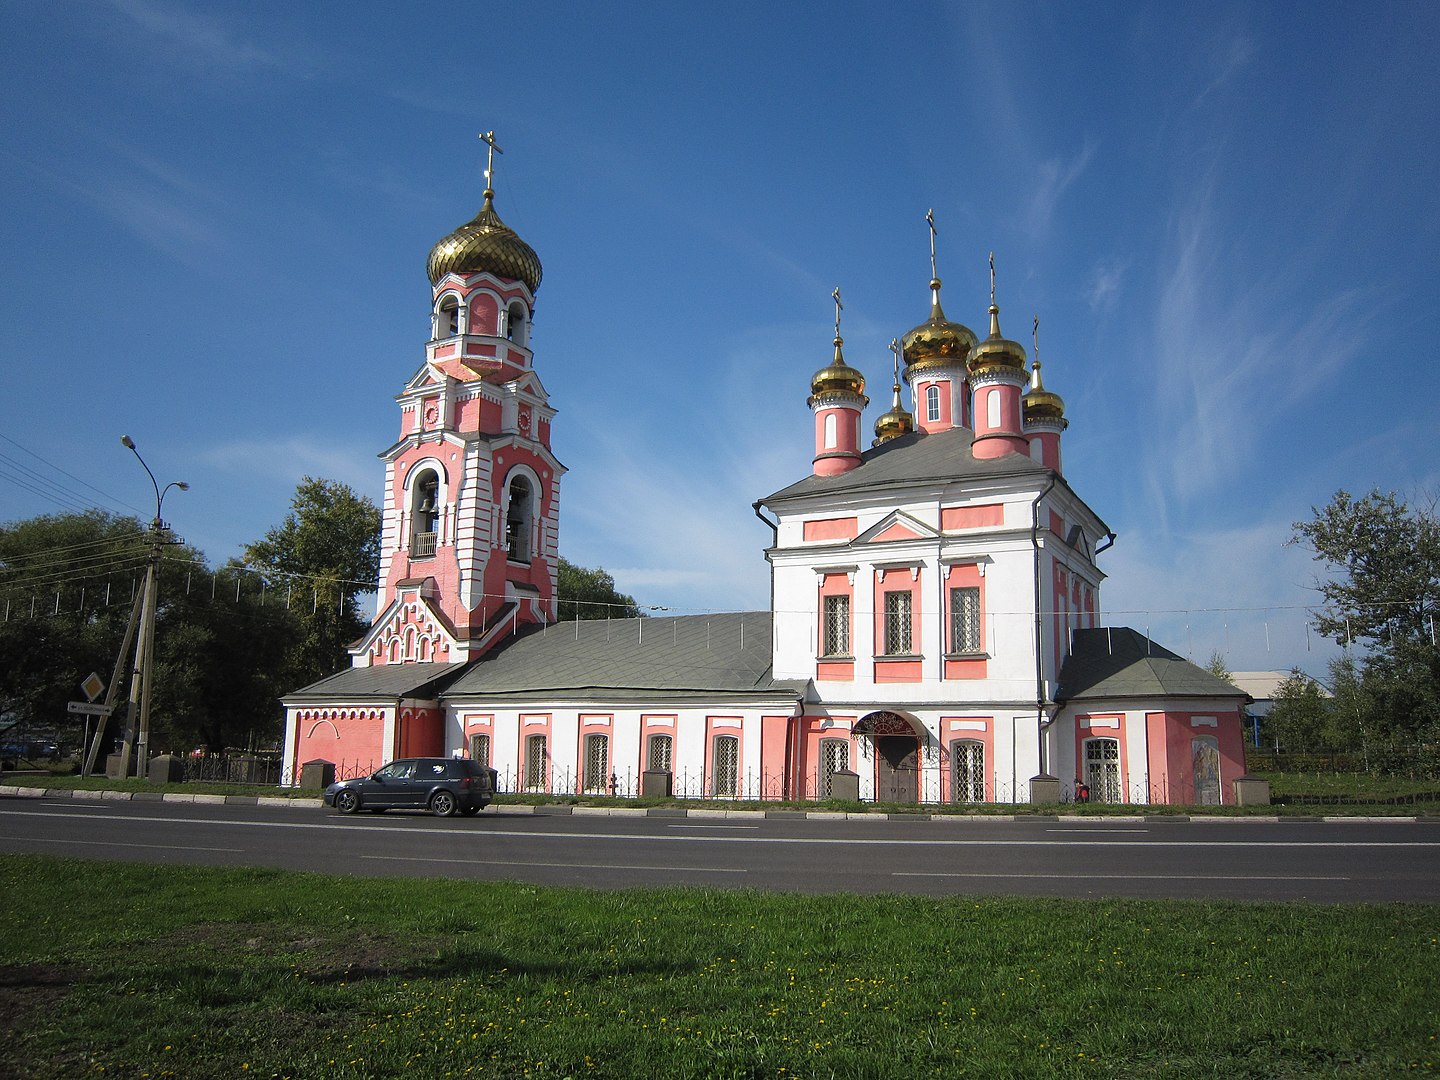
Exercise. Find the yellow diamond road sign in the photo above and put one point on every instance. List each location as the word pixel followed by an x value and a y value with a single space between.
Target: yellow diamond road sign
pixel 92 686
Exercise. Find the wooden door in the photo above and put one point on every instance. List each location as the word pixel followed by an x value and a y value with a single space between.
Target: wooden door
pixel 897 769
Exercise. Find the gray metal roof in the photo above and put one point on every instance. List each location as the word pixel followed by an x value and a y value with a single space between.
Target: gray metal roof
pixel 916 458
pixel 727 653
pixel 1118 662
pixel 383 681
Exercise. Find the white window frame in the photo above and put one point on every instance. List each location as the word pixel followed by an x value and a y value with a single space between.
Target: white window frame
pixel 966 632
pixel 899 623
pixel 835 624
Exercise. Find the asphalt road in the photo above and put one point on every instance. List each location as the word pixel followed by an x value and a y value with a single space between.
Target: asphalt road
pixel 1239 859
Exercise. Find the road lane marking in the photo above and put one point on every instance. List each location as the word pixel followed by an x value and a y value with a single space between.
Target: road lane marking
pixel 479 831
pixel 562 866
pixel 1123 877
pixel 1107 832
pixel 712 826
pixel 116 843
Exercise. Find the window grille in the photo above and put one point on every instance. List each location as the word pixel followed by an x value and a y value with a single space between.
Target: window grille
pixel 837 626
pixel 659 756
pixel 480 748
pixel 834 757
pixel 1102 770
pixel 897 624
pixel 965 620
pixel 725 767
pixel 967 770
pixel 537 763
pixel 597 764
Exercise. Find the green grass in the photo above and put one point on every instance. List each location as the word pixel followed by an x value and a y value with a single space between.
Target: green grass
pixel 131 970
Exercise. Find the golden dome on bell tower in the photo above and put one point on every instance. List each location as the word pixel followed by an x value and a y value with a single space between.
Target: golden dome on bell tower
pixel 485 243
pixel 996 351
pixel 898 421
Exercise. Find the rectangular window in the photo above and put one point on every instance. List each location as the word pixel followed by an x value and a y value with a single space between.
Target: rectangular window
pixel 836 637
pixel 597 764
pixel 965 620
pixel 897 624
pixel 537 763
pixel 725 768
pixel 659 755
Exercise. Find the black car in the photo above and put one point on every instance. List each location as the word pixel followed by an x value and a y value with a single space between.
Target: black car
pixel 443 786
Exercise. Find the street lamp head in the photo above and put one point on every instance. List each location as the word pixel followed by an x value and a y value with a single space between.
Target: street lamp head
pixel 182 485
pixel 127 442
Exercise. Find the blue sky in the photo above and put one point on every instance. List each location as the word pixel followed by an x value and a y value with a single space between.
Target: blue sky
pixel 1226 215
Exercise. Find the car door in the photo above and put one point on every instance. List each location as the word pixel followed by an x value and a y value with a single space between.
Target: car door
pixel 392 786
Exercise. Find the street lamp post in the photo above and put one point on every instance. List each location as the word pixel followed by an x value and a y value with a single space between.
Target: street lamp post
pixel 145 649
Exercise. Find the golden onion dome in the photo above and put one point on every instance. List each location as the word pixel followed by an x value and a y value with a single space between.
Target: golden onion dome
pixel 937 340
pixel 837 377
pixel 1039 403
pixel 996 351
pixel 894 423
pixel 486 243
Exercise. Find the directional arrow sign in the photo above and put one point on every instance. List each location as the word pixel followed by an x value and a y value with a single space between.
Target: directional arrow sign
pixel 89 708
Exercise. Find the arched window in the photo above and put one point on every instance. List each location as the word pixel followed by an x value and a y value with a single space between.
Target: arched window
pixel 1102 770
pixel 830 431
pixel 597 764
pixel 518 517
pixel 992 409
pixel 447 317
pixel 932 404
pixel 516 328
pixel 725 767
pixel 967 770
pixel 834 757
pixel 424 514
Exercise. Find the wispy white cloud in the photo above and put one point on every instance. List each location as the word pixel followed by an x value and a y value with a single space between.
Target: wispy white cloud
pixel 1103 289
pixel 1226 59
pixel 1240 591
pixel 1053 177
pixel 1233 350
pixel 207 42
pixel 287 460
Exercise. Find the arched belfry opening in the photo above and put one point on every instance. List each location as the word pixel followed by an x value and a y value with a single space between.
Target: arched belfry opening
pixel 519 519
pixel 447 317
pixel 424 514
pixel 517 324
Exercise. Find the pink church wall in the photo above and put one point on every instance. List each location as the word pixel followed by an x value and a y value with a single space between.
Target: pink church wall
pixel 342 736
pixel 841 528
pixel 961 727
pixel 984 516
pixel 1170 737
pixel 774 752
pixel 421 733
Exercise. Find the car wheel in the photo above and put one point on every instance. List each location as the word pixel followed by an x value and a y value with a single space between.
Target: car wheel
pixel 347 802
pixel 469 811
pixel 443 804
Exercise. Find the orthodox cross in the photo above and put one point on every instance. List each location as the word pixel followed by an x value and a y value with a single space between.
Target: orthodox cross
pixel 839 307
pixel 895 348
pixel 488 138
pixel 1035 330
pixel 992 279
pixel 930 219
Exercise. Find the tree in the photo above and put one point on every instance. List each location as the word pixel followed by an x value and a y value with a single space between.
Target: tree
pixel 1299 718
pixel 322 557
pixel 591 594
pixel 1219 668
pixel 67 584
pixel 1383 558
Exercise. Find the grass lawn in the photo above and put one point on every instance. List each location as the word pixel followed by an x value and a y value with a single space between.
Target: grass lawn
pixel 130 970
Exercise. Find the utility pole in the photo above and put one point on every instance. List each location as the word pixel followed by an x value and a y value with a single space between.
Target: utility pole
pixel 137 716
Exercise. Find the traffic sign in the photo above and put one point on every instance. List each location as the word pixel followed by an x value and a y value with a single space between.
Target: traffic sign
pixel 93 685
pixel 89 708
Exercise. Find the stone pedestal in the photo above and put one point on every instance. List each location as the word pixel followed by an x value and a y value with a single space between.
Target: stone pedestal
pixel 1044 790
pixel 845 786
pixel 165 769
pixel 657 784
pixel 1252 791
pixel 317 775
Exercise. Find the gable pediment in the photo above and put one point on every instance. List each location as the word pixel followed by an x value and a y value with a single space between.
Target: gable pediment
pixel 896 526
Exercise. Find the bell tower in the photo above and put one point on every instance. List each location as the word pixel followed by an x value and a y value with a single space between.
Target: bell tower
pixel 472 489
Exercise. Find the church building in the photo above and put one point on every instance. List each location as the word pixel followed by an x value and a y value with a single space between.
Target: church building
pixel 933 634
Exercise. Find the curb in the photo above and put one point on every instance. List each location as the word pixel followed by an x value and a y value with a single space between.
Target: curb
pixel 677 813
